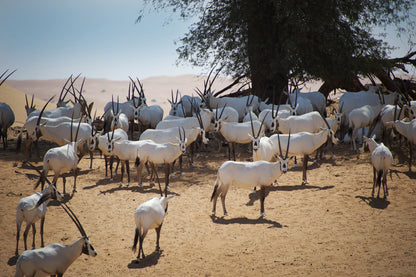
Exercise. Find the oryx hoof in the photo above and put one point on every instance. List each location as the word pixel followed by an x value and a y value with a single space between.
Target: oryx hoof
pixel 111 180
pixel 263 215
pixel 127 184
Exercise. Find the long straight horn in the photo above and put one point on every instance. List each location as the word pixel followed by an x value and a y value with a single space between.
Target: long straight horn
pixel 112 104
pixel 72 122
pixel 74 218
pixel 280 147
pixel 222 111
pixel 27 103
pixel 180 134
pixel 6 76
pixel 288 143
pixel 31 104
pixel 41 112
pixel 128 95
pixel 326 122
pixel 134 84
pixel 262 122
pixel 118 105
pixel 63 88
pixel 184 135
pixel 252 127
pixel 76 134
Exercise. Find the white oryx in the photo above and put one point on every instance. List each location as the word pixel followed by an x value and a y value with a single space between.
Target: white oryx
pixel 55 258
pixel 408 130
pixel 61 160
pixel 160 153
pixel 303 143
pixel 149 215
pixel 6 114
pixel 30 211
pixel 247 175
pixel 360 118
pixel 236 133
pixel 381 159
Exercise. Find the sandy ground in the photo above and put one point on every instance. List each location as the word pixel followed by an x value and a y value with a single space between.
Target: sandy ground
pixel 330 227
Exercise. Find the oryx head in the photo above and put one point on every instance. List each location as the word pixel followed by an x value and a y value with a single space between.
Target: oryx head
pixel 218 119
pixel 30 108
pixel 201 125
pixel 49 192
pixel 331 135
pixel 274 125
pixel 182 139
pixel 174 104
pixel 283 159
pixel 255 138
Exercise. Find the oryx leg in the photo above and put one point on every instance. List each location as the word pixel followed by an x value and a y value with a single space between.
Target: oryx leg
pixel 374 181
pixel 18 226
pixel 128 172
pixel 122 172
pixel 33 234
pixel 75 171
pixel 305 168
pixel 167 172
pixel 139 169
pixel 42 223
pixel 91 158
pixel 158 229
pixel 25 234
pixel 262 197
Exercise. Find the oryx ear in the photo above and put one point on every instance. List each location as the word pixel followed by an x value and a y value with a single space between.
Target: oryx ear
pixel 170 101
pixel 250 136
pixel 67 141
pixel 186 140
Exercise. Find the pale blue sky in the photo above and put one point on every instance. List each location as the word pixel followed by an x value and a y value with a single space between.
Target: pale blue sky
pixel 47 39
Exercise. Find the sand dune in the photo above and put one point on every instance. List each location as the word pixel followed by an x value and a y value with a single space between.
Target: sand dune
pixel 157 90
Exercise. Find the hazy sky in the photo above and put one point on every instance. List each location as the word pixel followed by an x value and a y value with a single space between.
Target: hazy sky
pixel 46 39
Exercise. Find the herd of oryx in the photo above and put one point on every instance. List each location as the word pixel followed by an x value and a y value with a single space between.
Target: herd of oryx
pixel 276 133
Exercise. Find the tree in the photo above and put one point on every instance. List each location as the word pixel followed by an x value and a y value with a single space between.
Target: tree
pixel 272 41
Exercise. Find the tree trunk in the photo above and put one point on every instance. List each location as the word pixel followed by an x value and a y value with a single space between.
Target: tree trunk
pixel 262 51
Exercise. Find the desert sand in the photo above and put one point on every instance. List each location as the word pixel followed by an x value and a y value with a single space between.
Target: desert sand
pixel 330 227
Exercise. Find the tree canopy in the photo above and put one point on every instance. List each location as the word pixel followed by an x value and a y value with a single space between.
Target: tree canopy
pixel 271 41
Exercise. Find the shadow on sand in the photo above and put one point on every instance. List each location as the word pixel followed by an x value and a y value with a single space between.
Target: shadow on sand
pixel 150 260
pixel 245 220
pixel 377 203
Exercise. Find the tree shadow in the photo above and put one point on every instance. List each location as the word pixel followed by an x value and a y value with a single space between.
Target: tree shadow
pixel 150 260
pixel 255 195
pixel 245 220
pixel 145 189
pixel 302 187
pixel 13 260
pixel 376 203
